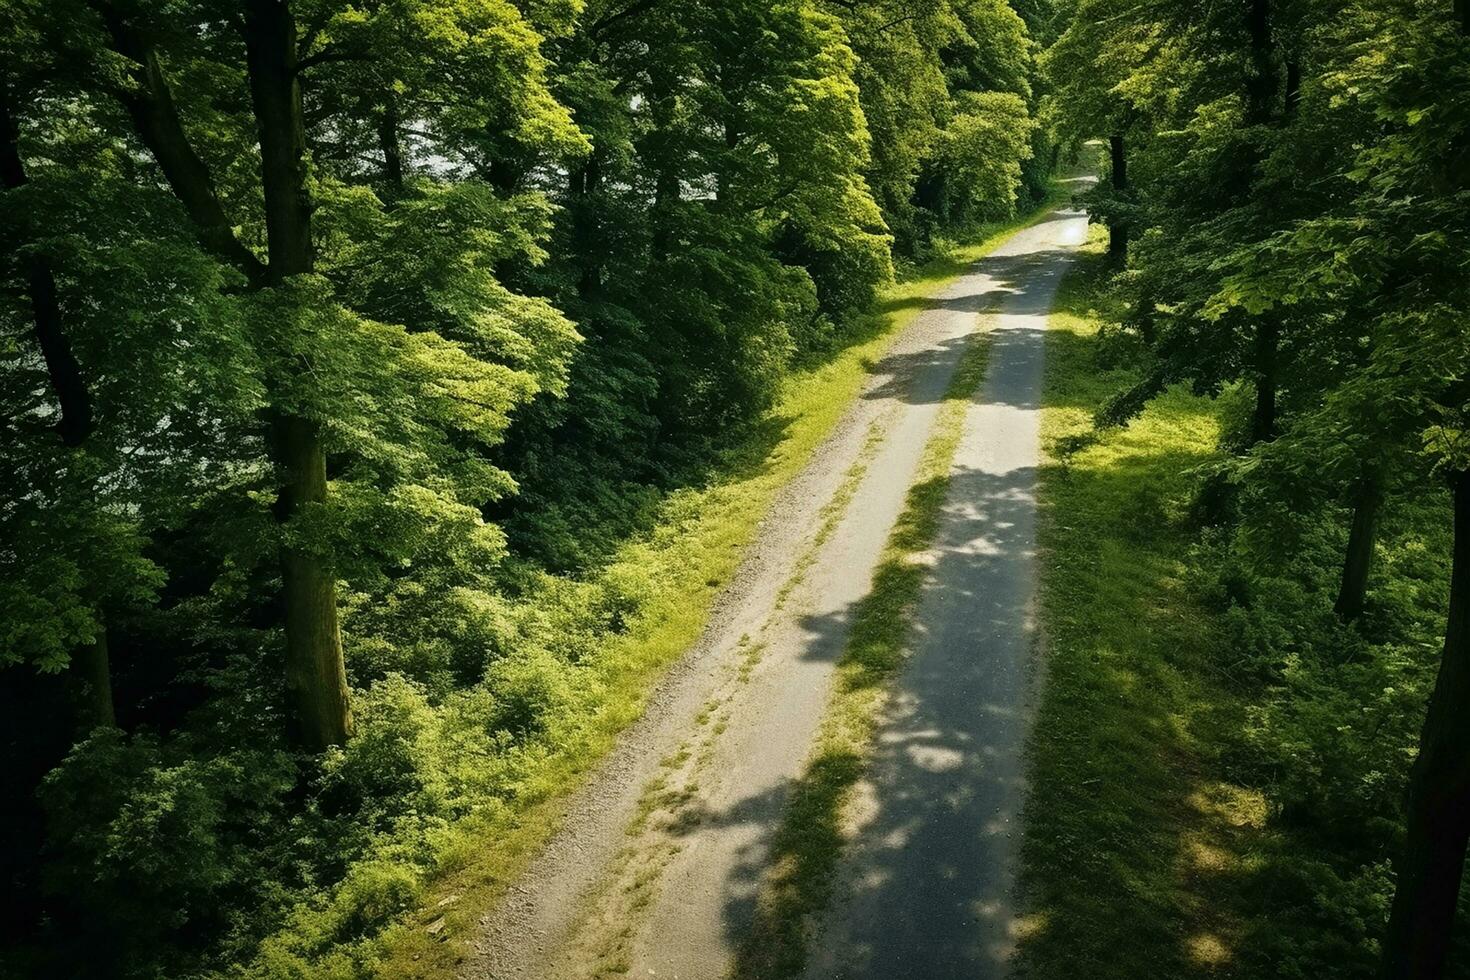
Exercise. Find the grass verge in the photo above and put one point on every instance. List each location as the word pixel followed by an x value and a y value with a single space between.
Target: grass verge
pixel 680 567
pixel 808 845
pixel 1217 764
pixel 1125 829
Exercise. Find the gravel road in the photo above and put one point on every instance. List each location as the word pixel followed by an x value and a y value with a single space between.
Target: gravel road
pixel 657 867
pixel 926 890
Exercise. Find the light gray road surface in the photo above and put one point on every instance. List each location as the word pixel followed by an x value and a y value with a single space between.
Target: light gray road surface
pixel 671 893
pixel 926 887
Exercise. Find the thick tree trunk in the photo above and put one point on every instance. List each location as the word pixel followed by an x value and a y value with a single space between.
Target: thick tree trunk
pixel 1263 422
pixel 1118 229
pixel 270 45
pixel 72 397
pixel 1438 810
pixel 1261 87
pixel 315 673
pixel 1367 500
pixel 92 669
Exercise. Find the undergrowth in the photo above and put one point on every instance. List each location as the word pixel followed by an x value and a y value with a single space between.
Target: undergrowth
pixel 1217 764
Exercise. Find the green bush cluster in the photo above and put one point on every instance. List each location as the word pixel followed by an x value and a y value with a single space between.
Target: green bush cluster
pixel 1331 723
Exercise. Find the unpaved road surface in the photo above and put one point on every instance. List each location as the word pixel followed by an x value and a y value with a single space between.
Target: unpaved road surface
pixel 926 890
pixel 657 868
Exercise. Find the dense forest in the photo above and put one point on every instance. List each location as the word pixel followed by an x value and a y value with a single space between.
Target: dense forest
pixel 1286 213
pixel 358 359
pixel 345 346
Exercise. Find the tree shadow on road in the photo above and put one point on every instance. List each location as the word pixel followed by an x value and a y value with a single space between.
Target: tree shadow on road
pixel 945 765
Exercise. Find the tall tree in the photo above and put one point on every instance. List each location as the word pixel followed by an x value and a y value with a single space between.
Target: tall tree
pixel 316 676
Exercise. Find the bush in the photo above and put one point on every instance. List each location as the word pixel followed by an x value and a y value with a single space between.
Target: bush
pixel 152 841
pixel 527 688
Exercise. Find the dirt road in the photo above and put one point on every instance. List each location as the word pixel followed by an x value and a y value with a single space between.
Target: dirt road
pixel 658 867
pixel 927 883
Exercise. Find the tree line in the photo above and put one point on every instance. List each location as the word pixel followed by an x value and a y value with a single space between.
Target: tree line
pixel 1287 220
pixel 342 344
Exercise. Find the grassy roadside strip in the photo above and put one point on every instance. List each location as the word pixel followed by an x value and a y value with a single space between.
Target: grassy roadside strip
pixel 679 570
pixel 809 843
pixel 1129 841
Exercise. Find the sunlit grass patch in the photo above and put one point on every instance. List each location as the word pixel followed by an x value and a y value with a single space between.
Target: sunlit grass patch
pixel 1117 834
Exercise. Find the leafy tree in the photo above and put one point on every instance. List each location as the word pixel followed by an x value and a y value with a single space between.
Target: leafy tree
pixel 389 399
pixel 1298 171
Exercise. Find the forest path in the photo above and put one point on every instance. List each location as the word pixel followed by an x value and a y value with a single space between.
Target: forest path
pixel 926 885
pixel 657 868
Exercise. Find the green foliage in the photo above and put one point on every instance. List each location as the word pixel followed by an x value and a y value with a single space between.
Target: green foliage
pixel 1214 745
pixel 564 258
pixel 1296 208
pixel 918 69
pixel 150 837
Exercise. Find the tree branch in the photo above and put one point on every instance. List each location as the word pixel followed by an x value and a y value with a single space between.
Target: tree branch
pixel 156 119
pixel 632 10
pixel 329 54
pixel 72 396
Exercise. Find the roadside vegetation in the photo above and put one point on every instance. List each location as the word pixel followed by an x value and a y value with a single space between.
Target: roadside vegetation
pixel 1264 636
pixel 387 389
pixel 1217 760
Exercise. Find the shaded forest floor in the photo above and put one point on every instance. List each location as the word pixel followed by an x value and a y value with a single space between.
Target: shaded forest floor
pixel 1216 763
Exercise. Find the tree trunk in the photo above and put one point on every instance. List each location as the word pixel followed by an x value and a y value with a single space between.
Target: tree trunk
pixel 391 146
pixel 1293 86
pixel 1263 422
pixel 72 397
pixel 1437 814
pixel 1118 229
pixel 93 672
pixel 1147 317
pixel 586 181
pixel 1358 562
pixel 316 676
pixel 1261 87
